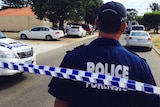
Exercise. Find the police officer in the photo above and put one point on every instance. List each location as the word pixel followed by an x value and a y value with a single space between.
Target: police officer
pixel 104 55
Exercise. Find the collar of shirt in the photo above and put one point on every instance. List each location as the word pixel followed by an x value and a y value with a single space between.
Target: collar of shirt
pixel 106 41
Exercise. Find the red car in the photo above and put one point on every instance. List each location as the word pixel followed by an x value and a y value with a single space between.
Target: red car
pixel 89 28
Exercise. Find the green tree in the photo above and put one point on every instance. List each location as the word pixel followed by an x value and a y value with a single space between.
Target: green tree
pixel 132 14
pixel 55 10
pixel 77 10
pixel 152 20
pixel 140 20
pixel 59 10
pixel 92 8
pixel 154 7
pixel 15 3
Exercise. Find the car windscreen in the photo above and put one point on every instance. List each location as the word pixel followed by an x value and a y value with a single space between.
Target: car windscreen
pixel 137 28
pixel 2 35
pixel 139 34
pixel 75 27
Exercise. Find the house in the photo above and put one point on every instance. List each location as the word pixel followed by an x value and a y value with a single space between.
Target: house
pixel 17 19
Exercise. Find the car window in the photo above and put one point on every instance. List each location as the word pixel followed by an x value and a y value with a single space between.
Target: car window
pixel 85 26
pixel 139 34
pixel 2 35
pixel 44 29
pixel 35 29
pixel 137 28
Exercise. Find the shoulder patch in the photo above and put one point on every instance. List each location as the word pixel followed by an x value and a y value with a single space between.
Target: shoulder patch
pixel 80 46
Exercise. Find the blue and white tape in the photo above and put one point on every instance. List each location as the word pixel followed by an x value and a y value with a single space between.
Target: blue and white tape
pixel 84 76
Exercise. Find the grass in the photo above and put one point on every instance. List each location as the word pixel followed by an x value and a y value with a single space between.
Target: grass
pixel 156 40
pixel 13 35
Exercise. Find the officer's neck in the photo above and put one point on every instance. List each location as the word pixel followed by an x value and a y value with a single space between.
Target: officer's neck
pixel 115 36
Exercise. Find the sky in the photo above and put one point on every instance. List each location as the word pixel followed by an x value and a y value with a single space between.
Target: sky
pixel 141 6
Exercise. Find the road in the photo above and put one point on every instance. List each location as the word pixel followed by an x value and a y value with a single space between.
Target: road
pixel 30 90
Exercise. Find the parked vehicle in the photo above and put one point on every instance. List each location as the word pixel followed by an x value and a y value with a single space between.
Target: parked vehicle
pixel 41 32
pixel 76 30
pixel 129 26
pixel 89 28
pixel 15 52
pixel 137 27
pixel 139 38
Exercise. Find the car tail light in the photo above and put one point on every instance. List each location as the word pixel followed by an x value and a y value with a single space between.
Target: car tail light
pixel 149 39
pixel 130 37
pixel 78 30
pixel 57 33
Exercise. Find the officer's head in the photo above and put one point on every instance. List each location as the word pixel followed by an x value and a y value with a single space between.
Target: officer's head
pixel 111 17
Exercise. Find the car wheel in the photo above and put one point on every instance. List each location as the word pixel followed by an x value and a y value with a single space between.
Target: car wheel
pixel 150 49
pixel 48 37
pixel 23 36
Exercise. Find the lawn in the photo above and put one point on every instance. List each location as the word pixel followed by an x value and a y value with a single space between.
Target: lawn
pixel 156 40
pixel 13 35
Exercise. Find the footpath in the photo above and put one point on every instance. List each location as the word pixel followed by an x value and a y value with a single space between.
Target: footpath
pixel 156 50
pixel 43 47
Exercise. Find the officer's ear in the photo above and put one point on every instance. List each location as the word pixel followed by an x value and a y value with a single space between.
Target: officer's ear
pixel 123 27
pixel 96 23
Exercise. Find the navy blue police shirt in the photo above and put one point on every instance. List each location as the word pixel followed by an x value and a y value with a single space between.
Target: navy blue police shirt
pixel 105 56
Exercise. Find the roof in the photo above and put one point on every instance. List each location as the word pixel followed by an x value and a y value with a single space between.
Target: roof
pixel 27 11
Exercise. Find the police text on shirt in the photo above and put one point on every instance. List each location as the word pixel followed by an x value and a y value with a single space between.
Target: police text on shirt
pixel 121 71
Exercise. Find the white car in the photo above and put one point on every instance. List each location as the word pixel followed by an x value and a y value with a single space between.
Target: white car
pixel 16 52
pixel 139 38
pixel 41 32
pixel 76 30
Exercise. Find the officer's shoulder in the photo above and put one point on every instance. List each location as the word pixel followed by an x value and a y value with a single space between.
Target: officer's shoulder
pixel 76 48
pixel 137 55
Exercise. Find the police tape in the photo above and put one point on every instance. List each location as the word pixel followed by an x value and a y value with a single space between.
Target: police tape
pixel 83 76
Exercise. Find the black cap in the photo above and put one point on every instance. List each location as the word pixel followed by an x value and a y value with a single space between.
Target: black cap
pixel 113 11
